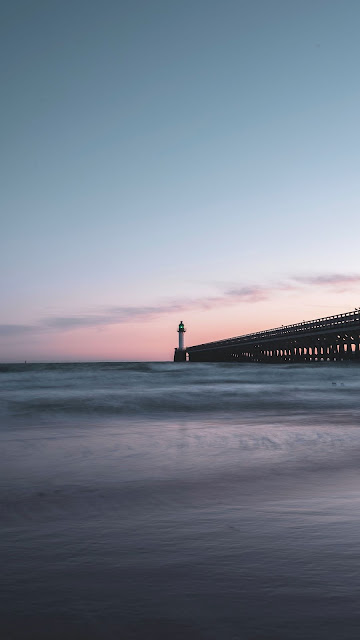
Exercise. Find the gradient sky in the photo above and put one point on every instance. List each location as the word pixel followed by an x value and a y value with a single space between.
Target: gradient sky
pixel 167 160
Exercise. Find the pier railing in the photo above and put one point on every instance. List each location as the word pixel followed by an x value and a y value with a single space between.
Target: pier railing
pixel 341 321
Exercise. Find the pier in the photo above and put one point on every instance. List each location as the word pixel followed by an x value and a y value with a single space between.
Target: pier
pixel 334 338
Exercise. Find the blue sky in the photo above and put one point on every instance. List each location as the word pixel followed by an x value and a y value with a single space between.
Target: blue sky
pixel 157 155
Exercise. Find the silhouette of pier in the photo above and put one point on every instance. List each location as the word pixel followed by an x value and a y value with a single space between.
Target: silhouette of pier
pixel 334 338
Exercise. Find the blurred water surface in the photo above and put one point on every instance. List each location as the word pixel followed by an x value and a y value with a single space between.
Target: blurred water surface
pixel 164 500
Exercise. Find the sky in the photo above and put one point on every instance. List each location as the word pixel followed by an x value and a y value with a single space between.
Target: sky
pixel 167 160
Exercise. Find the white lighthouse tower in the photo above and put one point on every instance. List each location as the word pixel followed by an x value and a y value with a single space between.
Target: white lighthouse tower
pixel 180 352
pixel 181 331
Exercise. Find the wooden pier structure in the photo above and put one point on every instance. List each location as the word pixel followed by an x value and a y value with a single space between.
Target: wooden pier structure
pixel 334 338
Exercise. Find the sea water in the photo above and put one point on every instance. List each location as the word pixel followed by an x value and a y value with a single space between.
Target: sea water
pixel 161 500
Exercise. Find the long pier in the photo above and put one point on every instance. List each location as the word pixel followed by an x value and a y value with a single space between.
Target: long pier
pixel 334 338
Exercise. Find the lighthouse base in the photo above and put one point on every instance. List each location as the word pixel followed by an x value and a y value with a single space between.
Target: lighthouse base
pixel 180 355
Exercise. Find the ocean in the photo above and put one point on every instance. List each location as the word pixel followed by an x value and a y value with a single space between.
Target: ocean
pixel 167 501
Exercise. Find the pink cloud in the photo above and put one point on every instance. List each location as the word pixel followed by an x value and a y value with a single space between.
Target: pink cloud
pixel 244 293
pixel 339 282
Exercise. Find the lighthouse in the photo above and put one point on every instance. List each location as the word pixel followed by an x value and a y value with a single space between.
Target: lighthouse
pixel 180 352
pixel 181 331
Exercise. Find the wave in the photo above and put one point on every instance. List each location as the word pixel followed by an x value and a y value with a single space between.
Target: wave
pixel 110 389
pixel 83 366
pixel 194 401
